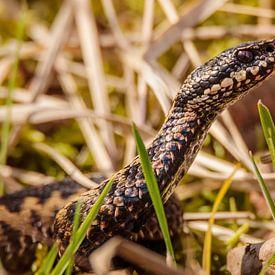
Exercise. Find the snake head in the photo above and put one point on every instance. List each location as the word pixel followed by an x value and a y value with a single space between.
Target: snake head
pixel 227 77
pixel 254 61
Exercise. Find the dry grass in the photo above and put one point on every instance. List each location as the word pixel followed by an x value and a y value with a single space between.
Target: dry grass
pixel 95 69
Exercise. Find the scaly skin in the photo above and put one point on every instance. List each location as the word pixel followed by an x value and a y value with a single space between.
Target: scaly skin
pixel 26 219
pixel 206 92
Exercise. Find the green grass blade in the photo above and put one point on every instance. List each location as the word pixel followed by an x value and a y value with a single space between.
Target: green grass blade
pixel 206 258
pixel 48 262
pixel 236 237
pixel 11 84
pixel 269 262
pixel 153 191
pixel 264 188
pixel 73 237
pixel 268 129
pixel 81 232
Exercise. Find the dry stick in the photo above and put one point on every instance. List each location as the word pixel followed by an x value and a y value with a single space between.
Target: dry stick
pixel 90 134
pixel 48 109
pixel 22 112
pixel 60 33
pixel 132 111
pixel 89 42
pixel 122 124
pixel 216 164
pixel 128 52
pixel 221 215
pixel 110 14
pixel 188 45
pixel 170 81
pixel 218 32
pixel 78 69
pixel 203 33
pixel 241 9
pixel 264 21
pixel 11 8
pixel 219 132
pixel 27 50
pixel 234 132
pixel 5 66
pixel 147 30
pixel 133 253
pixel 25 176
pixel 134 60
pixel 92 139
pixel 123 44
pixel 40 84
pixel 198 171
pixel 220 232
pixel 137 105
pixel 152 81
pixel 191 18
pixel 66 165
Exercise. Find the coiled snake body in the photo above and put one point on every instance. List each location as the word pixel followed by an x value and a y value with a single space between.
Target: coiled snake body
pixel 26 216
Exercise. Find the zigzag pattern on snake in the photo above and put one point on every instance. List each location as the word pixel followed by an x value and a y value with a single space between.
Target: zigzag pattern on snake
pixel 26 216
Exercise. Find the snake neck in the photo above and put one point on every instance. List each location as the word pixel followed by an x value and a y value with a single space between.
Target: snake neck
pixel 180 138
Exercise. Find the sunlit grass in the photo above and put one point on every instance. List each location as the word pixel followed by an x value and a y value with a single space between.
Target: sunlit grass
pixel 269 133
pixel 268 263
pixel 153 191
pixel 206 258
pixel 11 85
pixel 268 129
pixel 74 236
pixel 264 188
pixel 236 237
pixel 48 262
pixel 79 232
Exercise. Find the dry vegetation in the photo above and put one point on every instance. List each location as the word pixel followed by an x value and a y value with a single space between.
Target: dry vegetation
pixel 88 69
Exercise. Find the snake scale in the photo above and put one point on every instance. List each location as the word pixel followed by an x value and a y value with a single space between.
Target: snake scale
pixel 45 213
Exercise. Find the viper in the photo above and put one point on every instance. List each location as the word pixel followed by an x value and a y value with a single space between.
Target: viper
pixel 45 214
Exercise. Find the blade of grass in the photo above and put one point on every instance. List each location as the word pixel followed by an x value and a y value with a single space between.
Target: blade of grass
pixel 268 129
pixel 206 258
pixel 269 262
pixel 11 84
pixel 48 262
pixel 153 191
pixel 81 232
pixel 236 237
pixel 264 188
pixel 73 237
pixel 51 256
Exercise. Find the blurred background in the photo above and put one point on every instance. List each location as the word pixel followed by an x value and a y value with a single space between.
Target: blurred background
pixel 75 74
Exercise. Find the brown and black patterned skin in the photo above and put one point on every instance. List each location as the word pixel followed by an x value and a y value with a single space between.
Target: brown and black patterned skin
pixel 26 219
pixel 206 92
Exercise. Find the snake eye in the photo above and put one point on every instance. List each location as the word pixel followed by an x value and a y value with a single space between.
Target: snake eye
pixel 269 48
pixel 245 56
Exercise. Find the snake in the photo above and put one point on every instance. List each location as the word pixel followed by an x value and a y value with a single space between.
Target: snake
pixel 45 214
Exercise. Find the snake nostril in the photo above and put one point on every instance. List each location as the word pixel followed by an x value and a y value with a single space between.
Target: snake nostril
pixel 269 48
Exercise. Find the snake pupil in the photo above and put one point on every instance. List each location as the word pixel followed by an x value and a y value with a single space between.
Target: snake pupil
pixel 269 48
pixel 245 56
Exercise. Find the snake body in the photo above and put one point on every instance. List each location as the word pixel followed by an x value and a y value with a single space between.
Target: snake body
pixel 127 208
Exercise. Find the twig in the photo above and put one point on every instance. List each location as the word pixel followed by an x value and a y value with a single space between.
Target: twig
pixel 60 31
pixel 89 42
pixel 191 18
pixel 131 252
pixel 66 165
